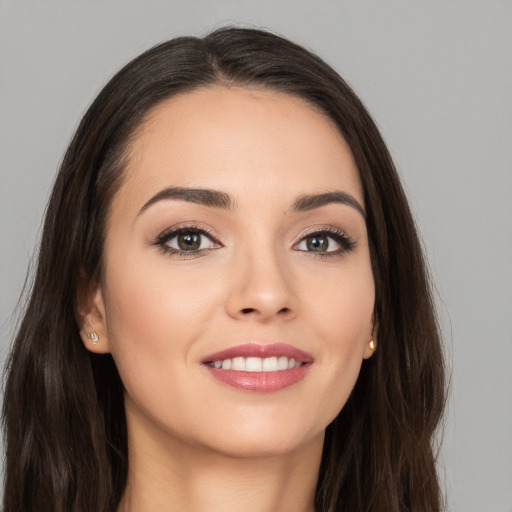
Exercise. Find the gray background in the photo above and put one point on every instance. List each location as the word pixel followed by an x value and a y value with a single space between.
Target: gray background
pixel 437 76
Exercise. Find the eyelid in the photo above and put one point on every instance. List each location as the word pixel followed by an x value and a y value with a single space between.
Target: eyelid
pixel 168 234
pixel 337 234
pixel 181 228
pixel 313 230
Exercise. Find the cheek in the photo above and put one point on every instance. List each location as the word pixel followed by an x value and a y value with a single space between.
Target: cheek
pixel 154 316
pixel 342 304
pixel 343 318
pixel 153 297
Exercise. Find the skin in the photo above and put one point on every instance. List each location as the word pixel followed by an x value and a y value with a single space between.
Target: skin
pixel 194 442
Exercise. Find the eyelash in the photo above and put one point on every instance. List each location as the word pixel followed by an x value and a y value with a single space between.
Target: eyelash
pixel 341 238
pixel 163 239
pixel 346 243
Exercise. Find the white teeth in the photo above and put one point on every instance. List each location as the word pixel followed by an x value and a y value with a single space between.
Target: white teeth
pixel 282 363
pixel 254 364
pixel 257 364
pixel 270 364
pixel 238 363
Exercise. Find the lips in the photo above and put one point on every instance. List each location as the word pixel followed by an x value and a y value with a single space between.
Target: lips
pixel 260 368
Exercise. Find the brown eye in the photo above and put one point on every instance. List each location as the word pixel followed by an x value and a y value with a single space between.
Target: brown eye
pixel 189 241
pixel 317 243
pixel 326 242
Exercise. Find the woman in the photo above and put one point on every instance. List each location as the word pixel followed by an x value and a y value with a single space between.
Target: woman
pixel 231 309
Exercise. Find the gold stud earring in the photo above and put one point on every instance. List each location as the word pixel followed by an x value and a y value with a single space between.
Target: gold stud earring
pixel 373 345
pixel 93 337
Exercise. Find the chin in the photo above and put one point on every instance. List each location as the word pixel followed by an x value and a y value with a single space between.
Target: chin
pixel 261 437
pixel 263 445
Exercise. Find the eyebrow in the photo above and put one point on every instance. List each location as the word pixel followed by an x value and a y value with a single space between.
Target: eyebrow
pixel 310 202
pixel 217 199
pixel 206 197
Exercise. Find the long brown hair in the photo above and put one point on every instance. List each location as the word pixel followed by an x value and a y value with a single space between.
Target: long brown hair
pixel 63 413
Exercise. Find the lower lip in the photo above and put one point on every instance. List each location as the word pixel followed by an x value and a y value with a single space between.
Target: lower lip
pixel 262 382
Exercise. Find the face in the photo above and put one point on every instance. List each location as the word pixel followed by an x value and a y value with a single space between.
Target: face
pixel 237 293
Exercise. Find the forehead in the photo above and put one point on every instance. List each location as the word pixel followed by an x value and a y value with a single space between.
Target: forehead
pixel 240 140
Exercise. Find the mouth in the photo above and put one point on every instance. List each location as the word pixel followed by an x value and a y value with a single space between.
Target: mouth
pixel 259 368
pixel 256 364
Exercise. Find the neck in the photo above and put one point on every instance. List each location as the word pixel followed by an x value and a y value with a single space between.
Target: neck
pixel 174 476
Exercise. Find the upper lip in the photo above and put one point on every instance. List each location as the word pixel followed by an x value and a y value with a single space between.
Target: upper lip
pixel 260 350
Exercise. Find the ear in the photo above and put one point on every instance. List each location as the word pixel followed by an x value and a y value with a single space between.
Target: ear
pixel 91 318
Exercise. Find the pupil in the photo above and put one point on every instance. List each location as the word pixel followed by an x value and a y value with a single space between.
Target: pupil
pixel 317 243
pixel 189 241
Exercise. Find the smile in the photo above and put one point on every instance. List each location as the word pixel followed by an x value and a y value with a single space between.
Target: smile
pixel 260 368
pixel 256 364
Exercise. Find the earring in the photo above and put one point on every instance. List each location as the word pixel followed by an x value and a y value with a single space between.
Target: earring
pixel 373 345
pixel 93 336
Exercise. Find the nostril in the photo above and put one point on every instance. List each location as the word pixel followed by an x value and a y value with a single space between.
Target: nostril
pixel 247 311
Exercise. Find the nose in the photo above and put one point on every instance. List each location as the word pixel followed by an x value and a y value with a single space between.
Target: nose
pixel 261 288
